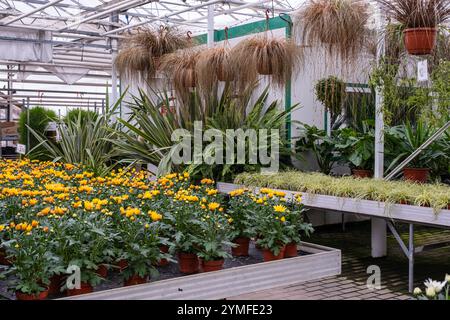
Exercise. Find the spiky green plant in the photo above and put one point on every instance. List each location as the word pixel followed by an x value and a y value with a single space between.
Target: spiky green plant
pixel 85 140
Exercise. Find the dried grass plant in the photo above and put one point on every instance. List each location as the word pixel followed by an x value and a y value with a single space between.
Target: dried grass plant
pixel 265 55
pixel 179 68
pixel 139 55
pixel 339 25
pixel 213 65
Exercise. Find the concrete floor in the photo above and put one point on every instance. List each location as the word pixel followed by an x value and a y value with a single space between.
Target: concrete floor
pixel 355 245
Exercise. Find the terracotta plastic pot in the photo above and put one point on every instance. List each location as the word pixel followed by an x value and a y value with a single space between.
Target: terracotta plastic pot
pixel 214 265
pixel 242 247
pixel 102 271
pixel 25 296
pixel 416 174
pixel 269 256
pixel 290 250
pixel 122 264
pixel 135 280
pixel 362 173
pixel 84 288
pixel 188 263
pixel 420 41
pixel 163 262
pixel 55 284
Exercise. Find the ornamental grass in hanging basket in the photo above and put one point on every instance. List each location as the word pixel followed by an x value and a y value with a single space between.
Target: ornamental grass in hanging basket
pixel 338 25
pixel 420 20
pixel 139 55
pixel 179 68
pixel 265 55
pixel 213 65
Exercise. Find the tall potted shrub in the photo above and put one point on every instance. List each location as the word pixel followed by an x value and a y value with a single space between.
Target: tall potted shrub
pixel 420 20
pixel 39 118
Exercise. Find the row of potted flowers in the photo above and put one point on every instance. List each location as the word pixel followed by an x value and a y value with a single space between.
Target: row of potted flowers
pixel 55 216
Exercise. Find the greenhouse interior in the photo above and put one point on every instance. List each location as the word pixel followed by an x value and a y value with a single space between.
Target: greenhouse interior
pixel 224 150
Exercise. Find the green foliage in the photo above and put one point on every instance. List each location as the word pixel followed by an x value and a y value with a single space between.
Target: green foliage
pixel 357 148
pixel 331 93
pixel 85 141
pixel 404 99
pixel 147 137
pixel 86 115
pixel 408 138
pixel 316 140
pixel 436 196
pixel 39 118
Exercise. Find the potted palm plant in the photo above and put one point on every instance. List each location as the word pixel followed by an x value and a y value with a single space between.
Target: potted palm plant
pixel 408 138
pixel 420 20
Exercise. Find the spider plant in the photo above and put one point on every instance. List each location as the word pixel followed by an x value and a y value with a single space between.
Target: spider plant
pixel 339 25
pixel 139 55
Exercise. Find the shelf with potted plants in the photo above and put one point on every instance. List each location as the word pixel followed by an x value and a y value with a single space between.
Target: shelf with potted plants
pixel 426 204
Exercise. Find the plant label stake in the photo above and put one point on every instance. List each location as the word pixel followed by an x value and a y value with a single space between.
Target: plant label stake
pixel 422 71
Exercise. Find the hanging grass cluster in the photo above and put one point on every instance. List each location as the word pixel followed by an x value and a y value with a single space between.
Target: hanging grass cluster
pixel 339 25
pixel 265 55
pixel 179 67
pixel 140 53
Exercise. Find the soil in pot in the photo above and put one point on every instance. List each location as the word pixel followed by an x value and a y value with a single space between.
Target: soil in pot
pixel 362 173
pixel 84 288
pixel 420 41
pixel 290 250
pixel 269 256
pixel 188 263
pixel 135 280
pixel 102 271
pixel 416 174
pixel 214 265
pixel 27 297
pixel 242 247
pixel 163 262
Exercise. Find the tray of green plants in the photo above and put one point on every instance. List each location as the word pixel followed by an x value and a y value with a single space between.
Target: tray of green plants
pixel 436 196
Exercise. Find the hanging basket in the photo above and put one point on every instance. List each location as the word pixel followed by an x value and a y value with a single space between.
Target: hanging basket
pixel 224 73
pixel 420 41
